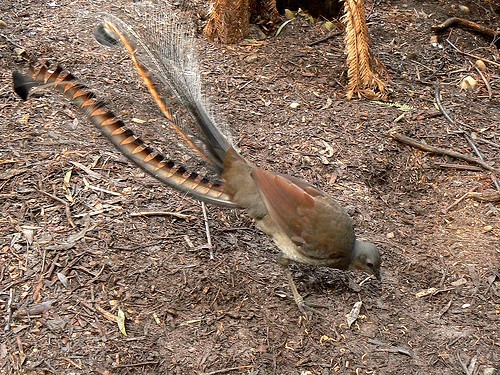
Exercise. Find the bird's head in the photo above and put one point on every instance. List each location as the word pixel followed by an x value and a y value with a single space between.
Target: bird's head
pixel 366 257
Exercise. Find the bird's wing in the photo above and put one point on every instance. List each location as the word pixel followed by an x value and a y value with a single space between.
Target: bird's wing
pixel 317 225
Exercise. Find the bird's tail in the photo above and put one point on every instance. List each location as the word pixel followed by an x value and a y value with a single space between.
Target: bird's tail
pixel 165 170
pixel 163 52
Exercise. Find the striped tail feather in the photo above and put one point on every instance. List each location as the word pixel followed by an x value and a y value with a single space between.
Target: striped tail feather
pixel 165 170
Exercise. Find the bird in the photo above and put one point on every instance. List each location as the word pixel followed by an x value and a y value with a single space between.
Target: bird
pixel 306 224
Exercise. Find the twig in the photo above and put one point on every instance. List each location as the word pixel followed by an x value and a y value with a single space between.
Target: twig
pixel 471 55
pixel 471 143
pixel 106 314
pixel 460 199
pixel 392 348
pixel 138 364
pixel 487 141
pixel 102 190
pixel 486 83
pixel 366 279
pixel 207 230
pixel 9 311
pixel 229 369
pixel 437 150
pixel 445 308
pixel 23 54
pixel 462 23
pixel 163 213
pixel 437 96
pixel 464 167
pixel 463 365
pixel 67 211
pixel 87 170
pixel 325 38
pixel 69 265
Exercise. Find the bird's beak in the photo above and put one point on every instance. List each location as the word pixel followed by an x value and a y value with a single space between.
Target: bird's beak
pixel 377 275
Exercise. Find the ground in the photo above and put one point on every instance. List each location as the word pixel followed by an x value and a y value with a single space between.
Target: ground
pixel 73 251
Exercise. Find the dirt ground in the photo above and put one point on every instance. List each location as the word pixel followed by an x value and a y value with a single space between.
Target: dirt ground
pixel 74 252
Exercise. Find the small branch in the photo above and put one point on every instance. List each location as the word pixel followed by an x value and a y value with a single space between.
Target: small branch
pixel 486 83
pixel 471 55
pixel 487 33
pixel 139 364
pixel 459 199
pixel 229 369
pixel 463 167
pixel 471 143
pixel 207 230
pixel 163 213
pixel 441 151
pixel 325 38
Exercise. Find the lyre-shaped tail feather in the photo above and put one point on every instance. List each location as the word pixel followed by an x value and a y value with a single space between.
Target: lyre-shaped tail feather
pixel 166 52
pixel 109 35
pixel 165 170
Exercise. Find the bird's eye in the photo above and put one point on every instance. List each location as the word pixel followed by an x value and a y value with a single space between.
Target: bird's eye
pixel 369 264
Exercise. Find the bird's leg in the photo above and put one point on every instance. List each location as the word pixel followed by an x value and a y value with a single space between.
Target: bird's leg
pixel 301 304
pixel 284 262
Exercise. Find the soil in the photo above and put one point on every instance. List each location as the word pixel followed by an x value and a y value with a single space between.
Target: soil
pixel 74 252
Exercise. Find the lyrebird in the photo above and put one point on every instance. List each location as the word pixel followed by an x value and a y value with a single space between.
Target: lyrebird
pixel 305 223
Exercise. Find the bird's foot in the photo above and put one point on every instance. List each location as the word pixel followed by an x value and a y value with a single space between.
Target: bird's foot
pixel 308 309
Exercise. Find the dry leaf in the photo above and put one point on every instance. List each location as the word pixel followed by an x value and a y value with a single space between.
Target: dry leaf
pixel 120 319
pixel 468 83
pixel 481 65
pixel 329 25
pixel 354 313
pixel 425 292
pixel 63 279
pixel 290 15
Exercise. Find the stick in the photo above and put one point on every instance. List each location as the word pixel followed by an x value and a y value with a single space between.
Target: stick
pixel 486 83
pixel 207 230
pixel 441 151
pixel 463 167
pixel 464 24
pixel 464 366
pixel 437 96
pixel 471 55
pixel 325 38
pixel 471 143
pixel 163 213
pixel 66 207
pixel 138 364
pixel 487 196
pixel 229 369
pixel 9 311
pixel 459 199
